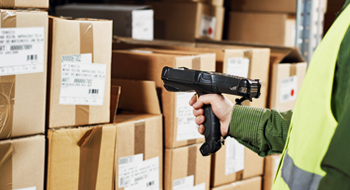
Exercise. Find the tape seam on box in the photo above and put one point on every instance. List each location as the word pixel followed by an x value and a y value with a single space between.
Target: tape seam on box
pixel 6 151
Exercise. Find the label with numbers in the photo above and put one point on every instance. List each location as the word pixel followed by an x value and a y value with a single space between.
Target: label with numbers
pixel 234 156
pixel 288 89
pixel 22 50
pixel 82 83
pixel 186 127
pixel 207 27
pixel 184 183
pixel 238 66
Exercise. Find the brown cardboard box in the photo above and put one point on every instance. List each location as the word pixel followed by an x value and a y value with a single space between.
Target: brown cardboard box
pixel 286 82
pixel 280 6
pixel 263 28
pixel 248 184
pixel 22 163
pixel 139 135
pixel 91 38
pixel 234 162
pixel 211 2
pixel 186 167
pixel 10 4
pixel 271 166
pixel 23 82
pixel 197 20
pixel 81 158
pixel 148 65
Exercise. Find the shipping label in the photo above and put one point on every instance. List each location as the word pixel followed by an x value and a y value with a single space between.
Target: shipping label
pixel 186 127
pixel 142 24
pixel 207 27
pixel 238 66
pixel 234 161
pixel 82 83
pixel 288 89
pixel 199 187
pixel 22 50
pixel 184 183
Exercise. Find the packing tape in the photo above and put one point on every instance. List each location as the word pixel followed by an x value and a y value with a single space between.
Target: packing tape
pixel 6 151
pixel 192 161
pixel 7 3
pixel 7 84
pixel 196 63
pixel 293 70
pixel 140 137
pixel 90 147
pixel 82 112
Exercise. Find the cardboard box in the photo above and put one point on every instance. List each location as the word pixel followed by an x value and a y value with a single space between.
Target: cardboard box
pixel 286 82
pixel 279 6
pixel 211 2
pixel 148 65
pixel 271 166
pixel 197 20
pixel 234 162
pixel 88 41
pixel 22 163
pixel 139 136
pixel 263 28
pixel 248 184
pixel 134 21
pixel 23 70
pixel 11 4
pixel 185 167
pixel 81 158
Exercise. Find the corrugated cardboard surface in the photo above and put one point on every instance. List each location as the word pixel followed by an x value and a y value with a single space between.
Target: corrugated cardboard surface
pixel 271 166
pixel 28 114
pixel 22 163
pixel 248 184
pixel 24 4
pixel 65 40
pixel 282 71
pixel 253 166
pixel 81 158
pixel 279 6
pixel 169 24
pixel 186 161
pixel 263 28
pixel 148 65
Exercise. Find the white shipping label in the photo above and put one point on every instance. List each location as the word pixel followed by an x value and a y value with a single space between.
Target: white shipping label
pixel 77 58
pixel 288 90
pixel 208 25
pixel 238 66
pixel 22 50
pixel 199 187
pixel 146 176
pixel 234 161
pixel 82 83
pixel 28 188
pixel 184 183
pixel 127 167
pixel 142 24
pixel 186 127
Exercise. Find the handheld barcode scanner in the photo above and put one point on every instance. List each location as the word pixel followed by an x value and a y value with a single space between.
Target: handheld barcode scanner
pixel 183 80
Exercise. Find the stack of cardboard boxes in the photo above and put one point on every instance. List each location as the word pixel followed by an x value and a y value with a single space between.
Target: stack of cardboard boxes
pixel 23 55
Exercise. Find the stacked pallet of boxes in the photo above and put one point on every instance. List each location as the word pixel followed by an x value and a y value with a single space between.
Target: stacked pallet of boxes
pixel 188 19
pixel 23 68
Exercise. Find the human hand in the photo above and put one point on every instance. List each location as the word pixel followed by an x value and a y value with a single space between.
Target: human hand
pixel 221 107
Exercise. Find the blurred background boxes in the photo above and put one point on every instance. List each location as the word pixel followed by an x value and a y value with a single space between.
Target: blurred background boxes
pixel 279 6
pixel 10 4
pixel 248 184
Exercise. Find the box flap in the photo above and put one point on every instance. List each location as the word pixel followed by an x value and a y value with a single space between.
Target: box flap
pixel 138 96
pixel 279 54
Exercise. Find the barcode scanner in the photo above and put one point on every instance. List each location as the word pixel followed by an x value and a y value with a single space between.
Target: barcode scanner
pixel 184 80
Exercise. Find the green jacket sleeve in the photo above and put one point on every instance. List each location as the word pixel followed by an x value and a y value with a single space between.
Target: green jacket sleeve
pixel 262 130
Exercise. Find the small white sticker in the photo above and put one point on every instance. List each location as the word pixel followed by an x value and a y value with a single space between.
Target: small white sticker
pixel 186 127
pixel 28 188
pixel 288 90
pixel 127 167
pixel 142 24
pixel 234 161
pixel 238 66
pixel 184 183
pixel 22 50
pixel 82 83
pixel 199 187
pixel 208 24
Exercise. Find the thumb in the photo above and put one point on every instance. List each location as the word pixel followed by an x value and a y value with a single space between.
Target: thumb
pixel 205 100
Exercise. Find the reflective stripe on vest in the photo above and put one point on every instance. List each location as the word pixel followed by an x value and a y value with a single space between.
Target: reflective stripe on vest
pixel 313 123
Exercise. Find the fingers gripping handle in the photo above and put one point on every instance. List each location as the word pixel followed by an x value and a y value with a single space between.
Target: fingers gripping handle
pixel 212 132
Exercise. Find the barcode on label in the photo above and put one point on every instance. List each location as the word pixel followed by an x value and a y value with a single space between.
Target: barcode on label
pixel 32 57
pixel 123 160
pixel 149 184
pixel 122 181
pixel 21 47
pixel 139 179
pixel 93 91
pixel 178 182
